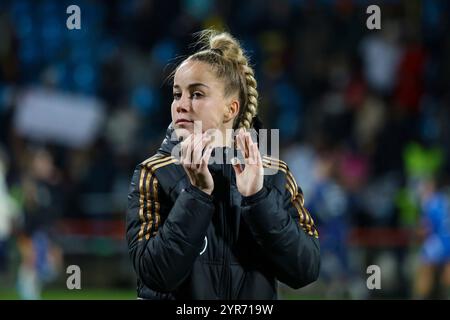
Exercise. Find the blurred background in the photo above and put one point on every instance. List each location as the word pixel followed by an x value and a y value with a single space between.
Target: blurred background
pixel 363 116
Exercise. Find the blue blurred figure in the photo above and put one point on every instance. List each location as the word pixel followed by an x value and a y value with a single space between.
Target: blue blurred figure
pixel 435 251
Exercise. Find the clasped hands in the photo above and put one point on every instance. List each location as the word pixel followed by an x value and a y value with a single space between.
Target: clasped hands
pixel 196 151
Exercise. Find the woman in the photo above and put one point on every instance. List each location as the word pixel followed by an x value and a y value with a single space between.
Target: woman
pixel 198 229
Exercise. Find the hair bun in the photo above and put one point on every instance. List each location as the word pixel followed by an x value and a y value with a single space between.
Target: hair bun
pixel 217 50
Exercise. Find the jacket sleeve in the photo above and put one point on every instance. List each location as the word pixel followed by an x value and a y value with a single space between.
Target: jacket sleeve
pixel 163 256
pixel 284 228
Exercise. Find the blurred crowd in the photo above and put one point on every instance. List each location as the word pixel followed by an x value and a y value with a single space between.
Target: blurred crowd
pixel 363 118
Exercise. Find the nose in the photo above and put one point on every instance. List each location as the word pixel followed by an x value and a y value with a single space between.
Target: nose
pixel 184 104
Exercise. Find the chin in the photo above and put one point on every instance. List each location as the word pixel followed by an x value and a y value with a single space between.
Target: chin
pixel 182 132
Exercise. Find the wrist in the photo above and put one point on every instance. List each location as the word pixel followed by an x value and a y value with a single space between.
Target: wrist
pixel 202 194
pixel 251 193
pixel 204 189
pixel 255 197
pixel 253 190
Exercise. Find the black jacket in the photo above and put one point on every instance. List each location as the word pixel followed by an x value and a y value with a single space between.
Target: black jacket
pixel 186 244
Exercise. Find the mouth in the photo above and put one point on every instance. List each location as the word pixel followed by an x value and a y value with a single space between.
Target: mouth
pixel 181 121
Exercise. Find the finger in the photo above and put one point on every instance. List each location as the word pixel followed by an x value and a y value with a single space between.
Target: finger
pixel 188 157
pixel 197 150
pixel 237 140
pixel 191 153
pixel 206 156
pixel 182 153
pixel 200 143
pixel 241 143
pixel 251 150
pixel 246 141
pixel 206 152
pixel 257 155
pixel 207 140
pixel 249 138
pixel 236 166
pixel 183 149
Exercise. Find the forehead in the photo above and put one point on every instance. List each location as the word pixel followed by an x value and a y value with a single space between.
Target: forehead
pixel 194 72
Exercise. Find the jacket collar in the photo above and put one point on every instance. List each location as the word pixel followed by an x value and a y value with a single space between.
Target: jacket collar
pixel 171 140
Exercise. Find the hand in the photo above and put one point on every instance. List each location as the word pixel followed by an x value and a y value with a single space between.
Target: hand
pixel 195 153
pixel 249 180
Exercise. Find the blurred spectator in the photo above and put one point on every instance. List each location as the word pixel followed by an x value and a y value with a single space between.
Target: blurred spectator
pixel 433 275
pixel 40 256
pixel 330 203
pixel 9 214
pixel 410 78
pixel 381 54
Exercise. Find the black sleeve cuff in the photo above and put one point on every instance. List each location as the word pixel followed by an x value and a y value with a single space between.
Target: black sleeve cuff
pixel 199 193
pixel 255 198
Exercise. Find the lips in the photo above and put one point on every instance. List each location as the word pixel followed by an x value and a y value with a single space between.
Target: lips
pixel 183 121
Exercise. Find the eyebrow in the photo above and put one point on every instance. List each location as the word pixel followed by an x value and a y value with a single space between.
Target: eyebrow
pixel 196 84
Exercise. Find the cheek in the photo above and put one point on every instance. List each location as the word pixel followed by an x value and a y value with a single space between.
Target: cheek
pixel 172 110
pixel 212 116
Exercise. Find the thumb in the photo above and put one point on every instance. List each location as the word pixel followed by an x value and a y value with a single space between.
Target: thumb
pixel 236 166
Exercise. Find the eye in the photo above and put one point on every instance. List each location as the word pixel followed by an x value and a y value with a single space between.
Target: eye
pixel 176 96
pixel 196 95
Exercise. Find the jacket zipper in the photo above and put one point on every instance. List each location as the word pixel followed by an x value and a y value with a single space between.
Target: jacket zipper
pixel 225 278
pixel 222 281
pixel 230 235
pixel 228 228
pixel 225 288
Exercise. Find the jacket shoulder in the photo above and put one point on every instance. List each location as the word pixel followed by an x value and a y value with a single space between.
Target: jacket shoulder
pixel 158 161
pixel 165 168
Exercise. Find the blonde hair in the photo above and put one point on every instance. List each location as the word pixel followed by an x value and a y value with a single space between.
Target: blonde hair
pixel 225 55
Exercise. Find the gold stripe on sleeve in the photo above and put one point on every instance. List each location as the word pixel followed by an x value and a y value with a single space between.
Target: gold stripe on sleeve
pixel 149 205
pixel 156 205
pixel 145 199
pixel 141 203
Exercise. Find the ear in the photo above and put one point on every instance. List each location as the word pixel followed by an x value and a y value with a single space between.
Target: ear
pixel 231 110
